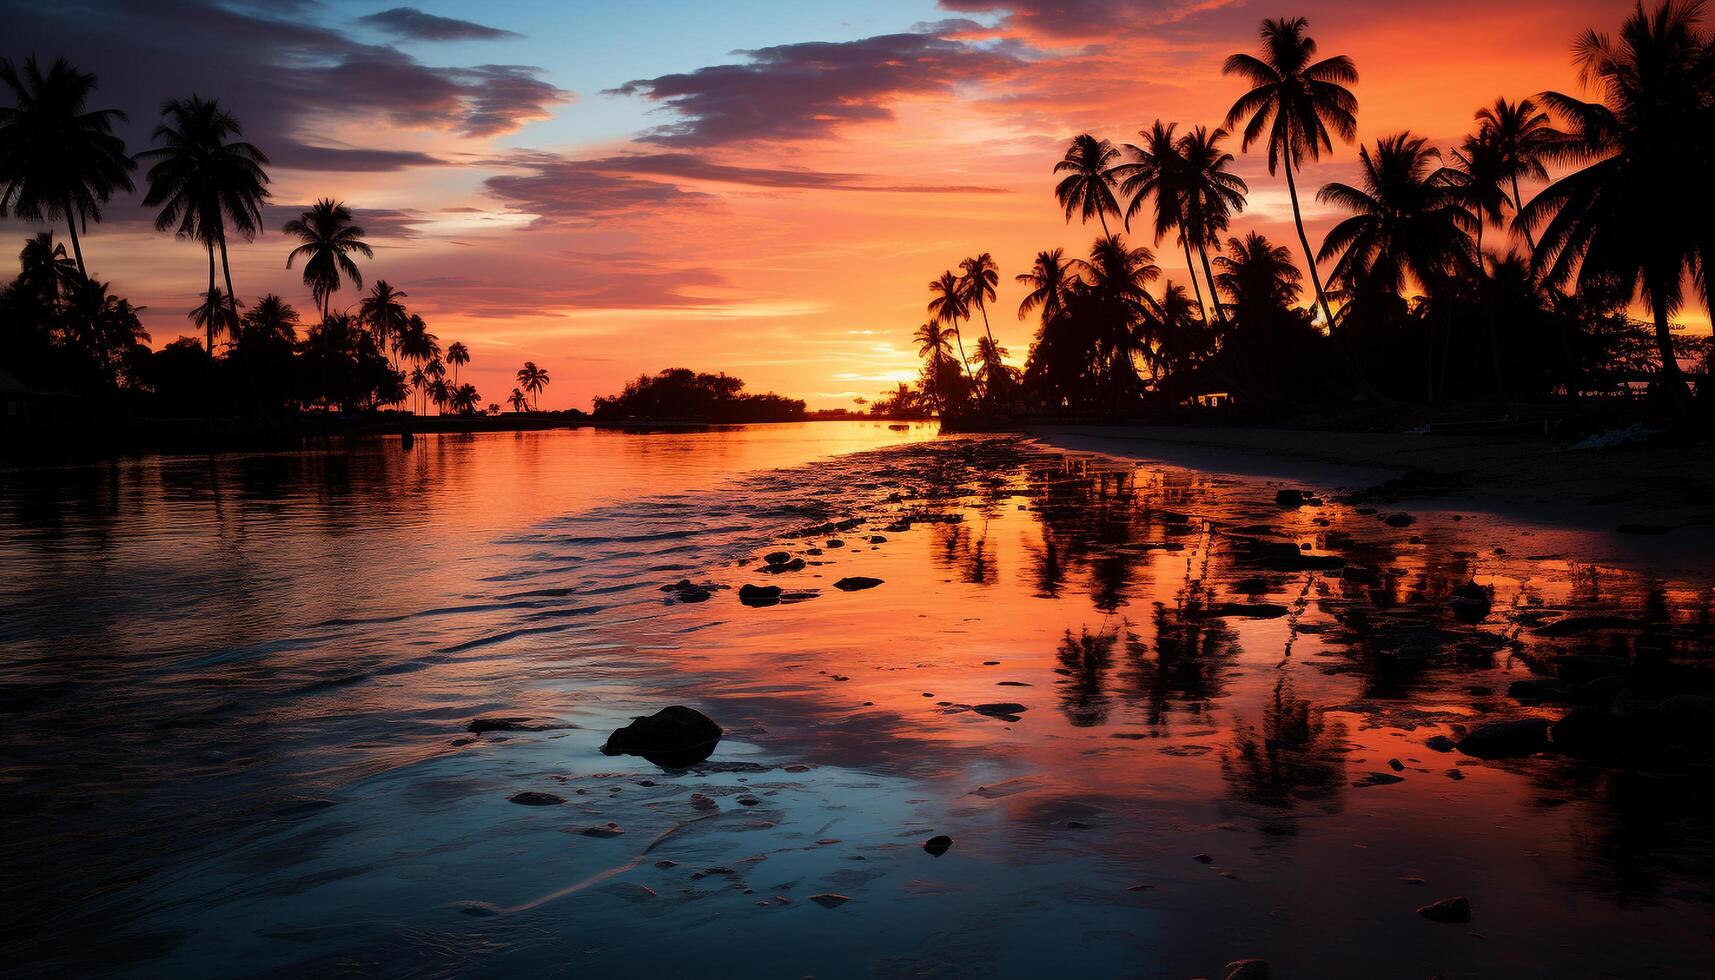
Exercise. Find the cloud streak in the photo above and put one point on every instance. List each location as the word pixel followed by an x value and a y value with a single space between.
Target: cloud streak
pixel 409 22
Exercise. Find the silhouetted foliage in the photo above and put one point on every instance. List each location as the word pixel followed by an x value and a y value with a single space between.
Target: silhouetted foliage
pixel 680 394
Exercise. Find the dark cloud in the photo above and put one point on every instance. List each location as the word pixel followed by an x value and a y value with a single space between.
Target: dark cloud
pixel 409 22
pixel 793 91
pixel 284 78
pixel 557 189
pixel 378 224
pixel 344 159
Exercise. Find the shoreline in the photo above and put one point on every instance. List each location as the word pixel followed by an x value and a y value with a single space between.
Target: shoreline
pixel 1649 497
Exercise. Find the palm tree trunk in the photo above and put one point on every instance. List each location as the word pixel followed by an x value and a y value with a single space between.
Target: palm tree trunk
pixel 1672 379
pixel 71 226
pixel 226 271
pixel 961 342
pixel 1104 220
pixel 1517 204
pixel 1196 286
pixel 1494 331
pixel 209 323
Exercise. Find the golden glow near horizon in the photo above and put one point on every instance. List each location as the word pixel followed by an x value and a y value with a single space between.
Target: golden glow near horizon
pixel 797 258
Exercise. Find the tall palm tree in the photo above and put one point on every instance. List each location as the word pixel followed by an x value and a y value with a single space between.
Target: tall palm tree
pixel 1211 195
pixel 45 273
pixel 1124 311
pixel 533 379
pixel 517 400
pixel 948 304
pixel 997 377
pixel 383 312
pixel 1049 278
pixel 1524 139
pixel 1158 174
pixel 105 326
pixel 1480 173
pixel 1088 187
pixel 215 316
pixel 203 179
pixel 1621 218
pixel 458 355
pixel 981 274
pixel 1296 101
pixel 58 159
pixel 327 239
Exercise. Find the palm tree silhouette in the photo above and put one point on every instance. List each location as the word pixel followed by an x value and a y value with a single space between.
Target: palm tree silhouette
pixel 271 321
pixel 981 274
pixel 1259 276
pixel 383 312
pixel 215 315
pixel 103 324
pixel 533 379
pixel 1524 139
pixel 458 355
pixel 1610 221
pixel 45 273
pixel 1211 194
pixel 517 400
pixel 947 304
pixel 1088 187
pixel 327 240
pixel 1049 279
pixel 932 344
pixel 463 399
pixel 1296 102
pixel 201 181
pixel 58 160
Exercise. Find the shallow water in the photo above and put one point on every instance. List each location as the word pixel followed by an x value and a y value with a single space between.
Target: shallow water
pixel 235 695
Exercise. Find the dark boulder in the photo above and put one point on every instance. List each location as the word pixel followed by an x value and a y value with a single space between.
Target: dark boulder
pixel 1456 909
pixel 1400 519
pixel 533 798
pixel 759 595
pixel 674 737
pixel 777 557
pixel 514 724
pixel 1506 739
pixel 856 583
pixel 938 844
pixel 1590 733
pixel 1470 603
pixel 1289 498
pixel 774 568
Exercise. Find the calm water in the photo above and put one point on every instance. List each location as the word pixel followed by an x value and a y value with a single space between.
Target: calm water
pixel 235 693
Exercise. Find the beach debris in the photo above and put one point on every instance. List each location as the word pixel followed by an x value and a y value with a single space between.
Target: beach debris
pixel 532 797
pixel 674 736
pixel 855 583
pixel 938 844
pixel 1456 909
pixel 1505 739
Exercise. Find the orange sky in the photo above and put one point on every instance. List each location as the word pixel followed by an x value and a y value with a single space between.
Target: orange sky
pixel 796 201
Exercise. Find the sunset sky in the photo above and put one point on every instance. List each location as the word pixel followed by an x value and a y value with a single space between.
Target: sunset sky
pixel 762 187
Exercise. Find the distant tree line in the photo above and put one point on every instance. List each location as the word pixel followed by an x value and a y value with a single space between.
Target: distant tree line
pixel 1419 305
pixel 65 332
pixel 680 394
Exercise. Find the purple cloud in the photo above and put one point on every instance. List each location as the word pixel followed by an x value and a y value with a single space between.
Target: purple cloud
pixel 409 22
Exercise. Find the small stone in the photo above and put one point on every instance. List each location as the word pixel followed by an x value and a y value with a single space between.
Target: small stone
pixel 602 830
pixel 1203 859
pixel 829 900
pixel 938 845
pixel 532 797
pixel 777 557
pixel 855 583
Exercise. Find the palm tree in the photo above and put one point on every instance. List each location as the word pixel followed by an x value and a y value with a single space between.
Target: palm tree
pixel 1049 279
pixel 517 400
pixel 463 399
pixel 1524 139
pixel 1210 194
pixel 533 379
pixel 932 345
pixel 1159 174
pixel 45 273
pixel 436 373
pixel 327 239
pixel 981 274
pixel 271 321
pixel 417 343
pixel 1088 187
pixel 384 314
pixel 418 382
pixel 204 179
pixel 948 304
pixel 457 355
pixel 1622 218
pixel 1480 173
pixel 1408 222
pixel 997 377
pixel 58 160
pixel 1123 311
pixel 1296 101
pixel 1259 276
pixel 215 316
pixel 105 326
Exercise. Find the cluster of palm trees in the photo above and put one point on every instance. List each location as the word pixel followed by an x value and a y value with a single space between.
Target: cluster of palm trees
pixel 947 383
pixel 1414 294
pixel 60 161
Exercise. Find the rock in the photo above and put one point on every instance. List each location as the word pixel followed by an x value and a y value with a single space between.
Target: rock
pixel 1470 603
pixel 777 557
pixel 1581 668
pixel 1247 970
pixel 938 845
pixel 693 595
pixel 1399 520
pixel 674 736
pixel 1289 498
pixel 602 830
pixel 532 797
pixel 1691 717
pixel 1249 610
pixel 795 565
pixel 1574 625
pixel 1535 691
pixel 1457 909
pixel 1203 859
pixel 1441 743
pixel 481 725
pixel 1377 779
pixel 1589 733
pixel 855 583
pixel 1008 710
pixel 877 539
pixel 1505 739
pixel 829 900
pixel 759 595
pixel 835 543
